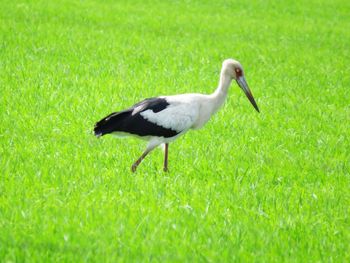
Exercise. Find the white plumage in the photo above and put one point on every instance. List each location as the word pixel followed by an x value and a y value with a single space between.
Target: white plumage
pixel 162 119
pixel 177 116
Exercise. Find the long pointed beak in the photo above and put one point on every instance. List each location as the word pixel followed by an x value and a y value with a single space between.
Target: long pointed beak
pixel 244 86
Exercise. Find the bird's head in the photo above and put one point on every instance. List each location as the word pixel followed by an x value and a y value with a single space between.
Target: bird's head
pixel 234 70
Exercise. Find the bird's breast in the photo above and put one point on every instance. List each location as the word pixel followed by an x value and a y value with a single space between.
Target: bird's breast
pixel 202 119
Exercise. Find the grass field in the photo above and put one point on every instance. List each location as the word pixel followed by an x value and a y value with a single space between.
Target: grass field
pixel 248 187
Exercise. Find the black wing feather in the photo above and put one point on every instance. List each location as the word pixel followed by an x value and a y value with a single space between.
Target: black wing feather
pixel 124 121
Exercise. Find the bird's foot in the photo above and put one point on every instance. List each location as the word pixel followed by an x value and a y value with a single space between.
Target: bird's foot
pixel 134 167
pixel 165 169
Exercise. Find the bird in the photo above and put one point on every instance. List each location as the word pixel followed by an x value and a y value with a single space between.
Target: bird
pixel 161 120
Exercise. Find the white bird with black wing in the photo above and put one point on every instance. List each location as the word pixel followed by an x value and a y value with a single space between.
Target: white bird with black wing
pixel 161 120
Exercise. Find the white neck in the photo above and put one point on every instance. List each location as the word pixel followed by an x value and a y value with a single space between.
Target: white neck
pixel 220 94
pixel 213 101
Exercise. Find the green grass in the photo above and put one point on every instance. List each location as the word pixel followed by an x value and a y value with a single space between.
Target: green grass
pixel 248 187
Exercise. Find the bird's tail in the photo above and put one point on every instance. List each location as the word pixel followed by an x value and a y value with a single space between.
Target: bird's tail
pixel 108 124
pixel 102 127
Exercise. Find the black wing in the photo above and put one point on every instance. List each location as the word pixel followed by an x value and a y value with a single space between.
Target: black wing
pixel 125 121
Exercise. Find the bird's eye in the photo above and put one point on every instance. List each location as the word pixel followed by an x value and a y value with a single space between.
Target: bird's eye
pixel 238 70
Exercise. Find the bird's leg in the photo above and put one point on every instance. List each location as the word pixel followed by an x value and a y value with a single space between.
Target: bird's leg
pixel 139 160
pixel 149 148
pixel 165 168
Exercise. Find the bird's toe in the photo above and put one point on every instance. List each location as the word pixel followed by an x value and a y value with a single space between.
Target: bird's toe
pixel 133 168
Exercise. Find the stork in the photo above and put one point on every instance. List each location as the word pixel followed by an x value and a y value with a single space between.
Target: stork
pixel 161 120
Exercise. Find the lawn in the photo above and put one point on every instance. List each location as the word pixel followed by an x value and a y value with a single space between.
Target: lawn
pixel 248 187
